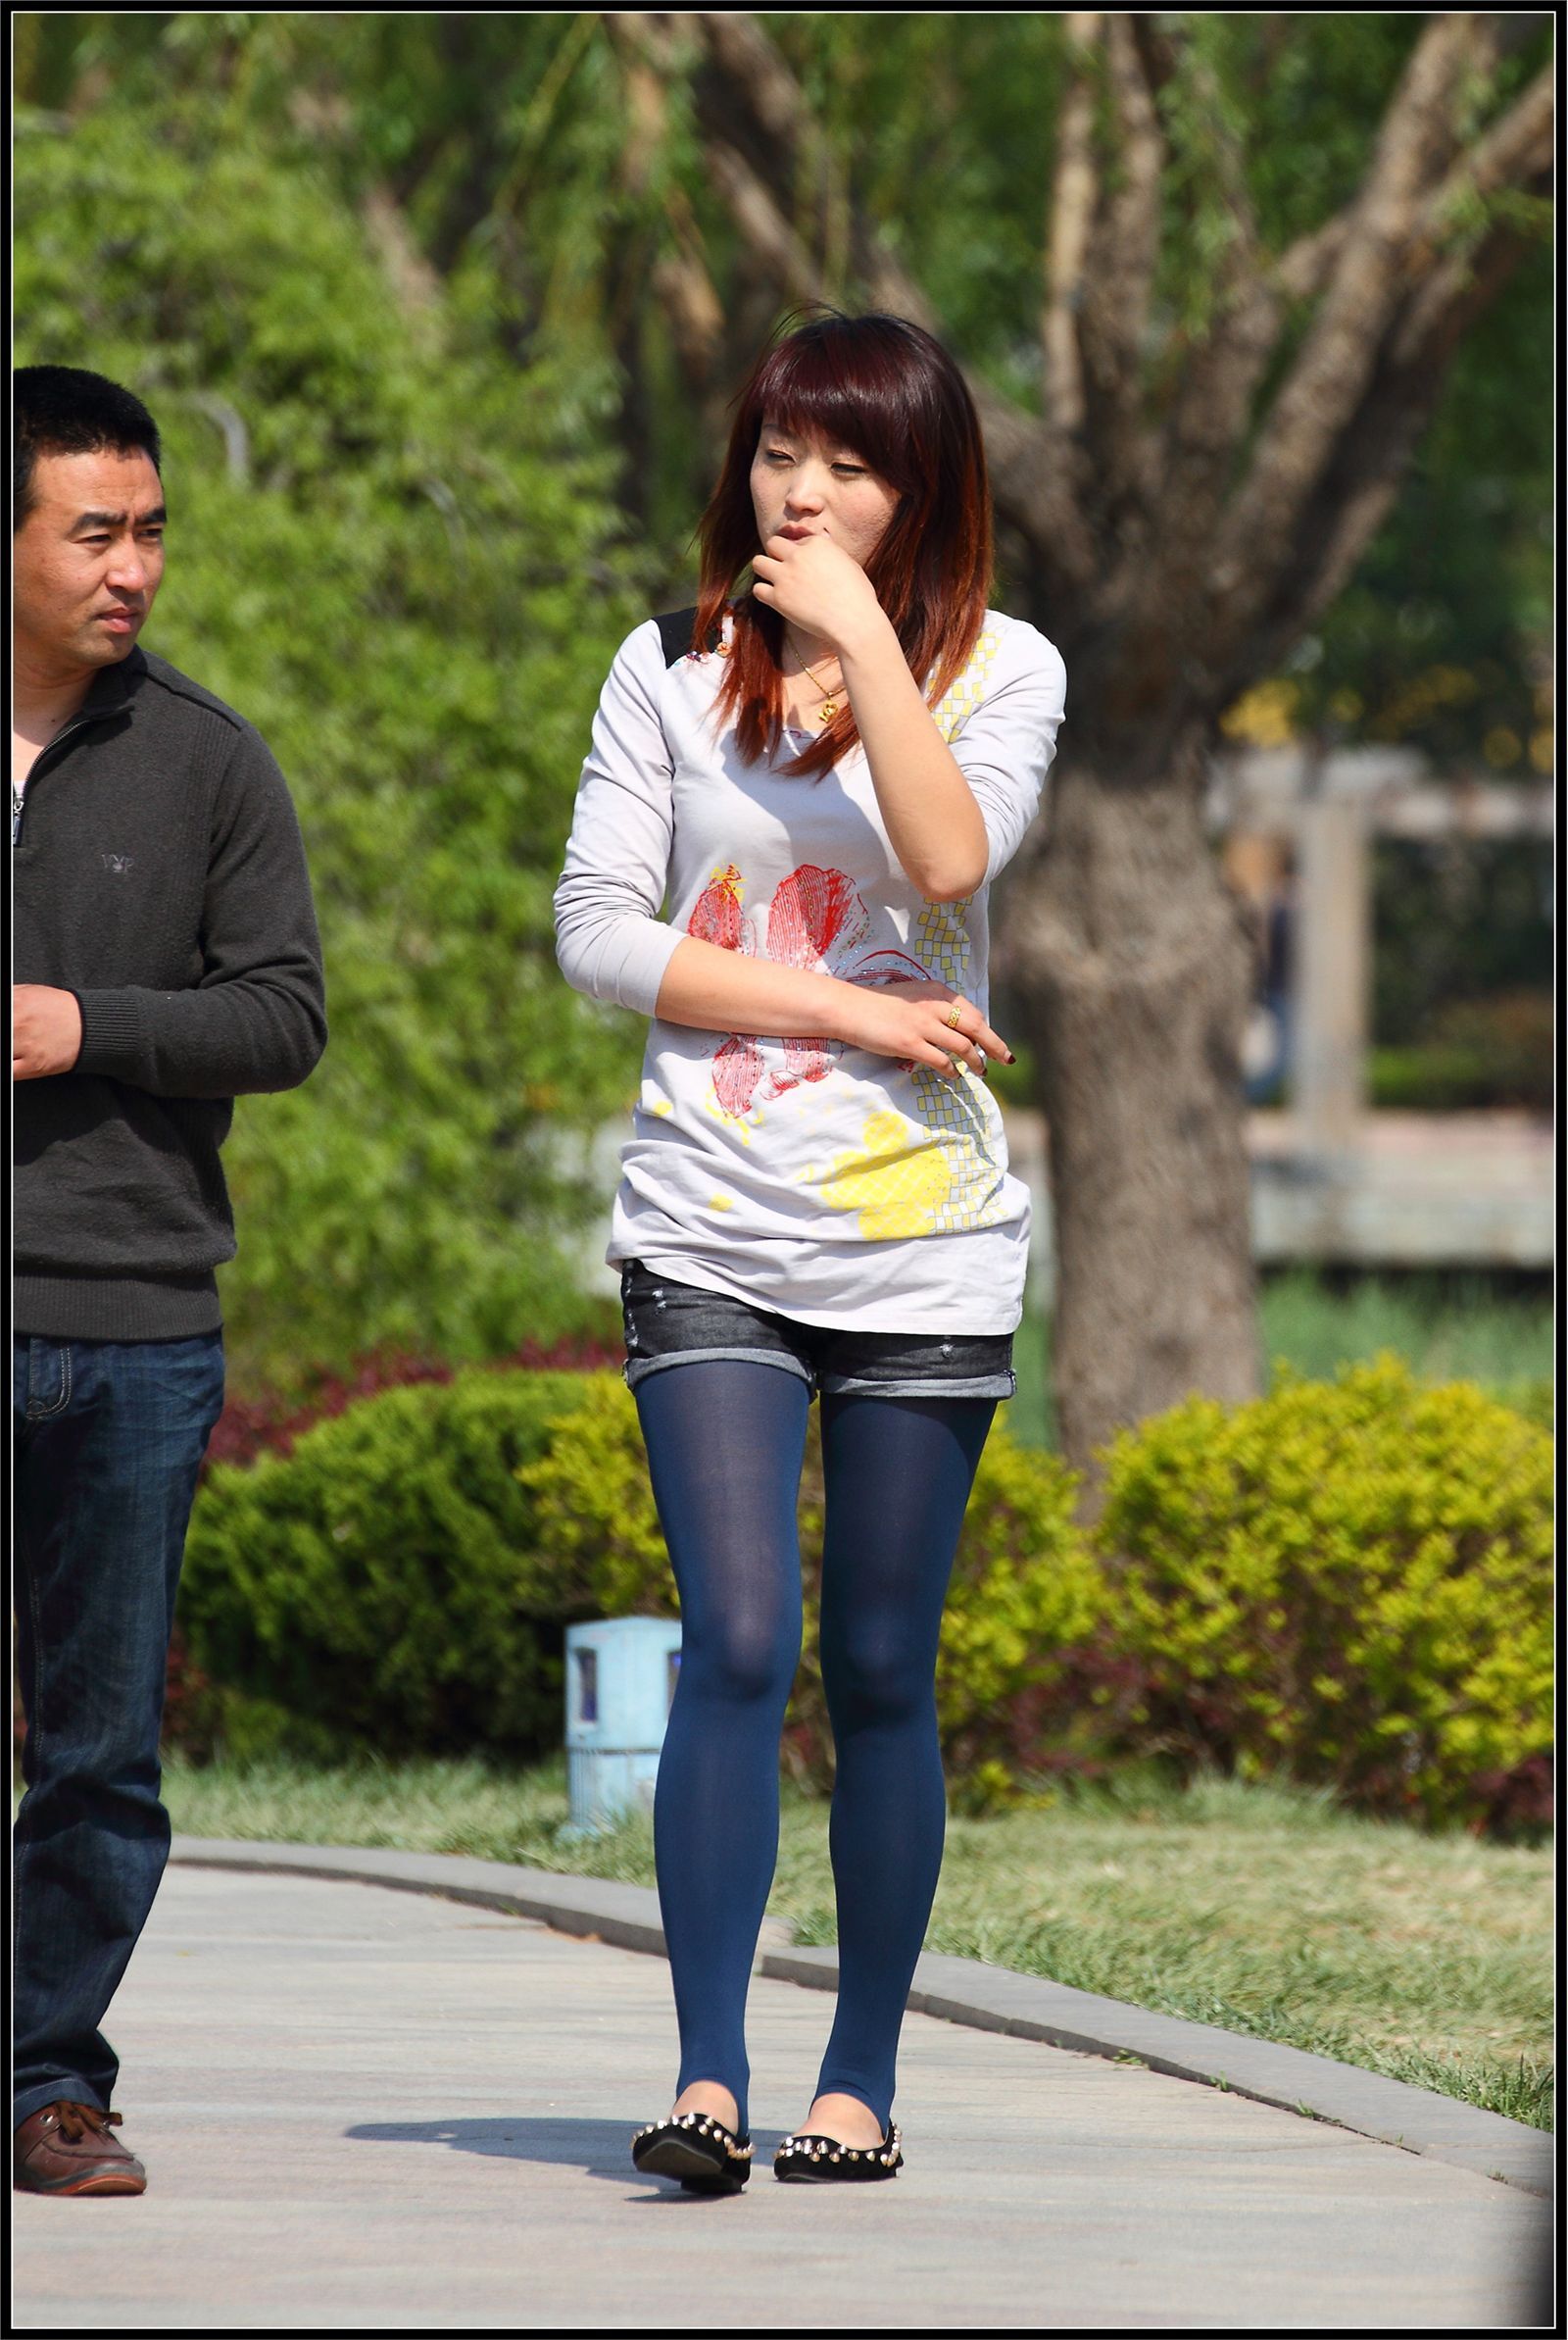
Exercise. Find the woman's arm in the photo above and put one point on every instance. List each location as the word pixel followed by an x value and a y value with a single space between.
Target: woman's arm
pixel 721 991
pixel 613 944
pixel 611 941
pixel 933 821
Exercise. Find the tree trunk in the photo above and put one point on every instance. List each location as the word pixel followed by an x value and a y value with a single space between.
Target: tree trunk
pixel 1131 960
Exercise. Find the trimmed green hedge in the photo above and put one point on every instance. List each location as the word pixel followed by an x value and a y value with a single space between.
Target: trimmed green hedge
pixel 1345 1582
pixel 384 1582
pixel 1349 1582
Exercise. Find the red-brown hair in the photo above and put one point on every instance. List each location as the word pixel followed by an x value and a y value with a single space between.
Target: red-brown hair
pixel 889 391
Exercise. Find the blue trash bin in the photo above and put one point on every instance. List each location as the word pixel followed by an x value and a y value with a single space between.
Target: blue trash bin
pixel 620 1677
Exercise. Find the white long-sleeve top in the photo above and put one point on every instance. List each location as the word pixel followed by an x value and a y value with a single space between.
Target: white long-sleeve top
pixel 816 1180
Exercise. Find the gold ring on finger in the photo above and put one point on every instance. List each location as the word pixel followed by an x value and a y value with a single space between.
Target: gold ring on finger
pixel 952 1021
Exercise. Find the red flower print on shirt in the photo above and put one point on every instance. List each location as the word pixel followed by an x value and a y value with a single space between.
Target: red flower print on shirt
pixel 815 912
pixel 718 916
pixel 816 920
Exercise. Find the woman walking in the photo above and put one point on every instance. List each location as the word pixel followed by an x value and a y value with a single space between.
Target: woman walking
pixel 816 782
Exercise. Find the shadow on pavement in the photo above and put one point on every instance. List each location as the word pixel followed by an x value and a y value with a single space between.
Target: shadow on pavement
pixel 599 2148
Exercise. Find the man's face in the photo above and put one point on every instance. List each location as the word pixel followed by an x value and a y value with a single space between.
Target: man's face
pixel 88 559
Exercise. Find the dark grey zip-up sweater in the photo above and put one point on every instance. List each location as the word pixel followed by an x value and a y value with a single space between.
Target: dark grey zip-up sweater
pixel 159 874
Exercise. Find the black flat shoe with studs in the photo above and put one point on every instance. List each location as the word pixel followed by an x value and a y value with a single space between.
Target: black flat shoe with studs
pixel 812 2160
pixel 698 2149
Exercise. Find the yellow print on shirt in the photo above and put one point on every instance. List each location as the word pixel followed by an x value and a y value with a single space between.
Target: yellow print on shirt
pixel 966 691
pixel 898 1182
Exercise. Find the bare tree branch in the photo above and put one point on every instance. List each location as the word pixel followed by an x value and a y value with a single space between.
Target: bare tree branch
pixel 1506 153
pixel 651 35
pixel 1461 288
pixel 1509 30
pixel 1113 316
pixel 1304 267
pixel 772 240
pixel 1367 475
pixel 237 438
pixel 1156 48
pixel 693 306
pixel 790 154
pixel 1443 294
pixel 1130 245
pixel 1073 207
pixel 1205 426
pixel 1209 418
pixel 1516 147
pixel 646 47
pixel 645 126
pixel 1330 375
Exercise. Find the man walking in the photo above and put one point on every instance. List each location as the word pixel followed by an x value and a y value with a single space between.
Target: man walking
pixel 165 961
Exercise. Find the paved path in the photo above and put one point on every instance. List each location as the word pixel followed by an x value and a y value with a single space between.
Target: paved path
pixel 367 2110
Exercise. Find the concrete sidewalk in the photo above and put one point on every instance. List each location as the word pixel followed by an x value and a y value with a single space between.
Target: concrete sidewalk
pixel 366 2109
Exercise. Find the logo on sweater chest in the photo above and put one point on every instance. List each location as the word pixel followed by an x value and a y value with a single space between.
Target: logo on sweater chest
pixel 119 865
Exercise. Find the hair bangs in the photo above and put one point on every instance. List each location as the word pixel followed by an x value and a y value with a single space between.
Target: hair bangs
pixel 887 392
pixel 849 395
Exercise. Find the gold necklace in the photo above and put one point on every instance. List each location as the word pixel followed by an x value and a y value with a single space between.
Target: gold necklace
pixel 830 706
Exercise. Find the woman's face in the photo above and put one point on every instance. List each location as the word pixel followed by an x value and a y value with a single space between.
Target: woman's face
pixel 802 485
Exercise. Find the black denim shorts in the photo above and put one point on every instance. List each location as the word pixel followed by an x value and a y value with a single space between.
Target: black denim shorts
pixel 673 1324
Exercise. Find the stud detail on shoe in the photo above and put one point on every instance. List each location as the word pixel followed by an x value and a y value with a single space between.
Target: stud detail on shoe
pixel 831 2157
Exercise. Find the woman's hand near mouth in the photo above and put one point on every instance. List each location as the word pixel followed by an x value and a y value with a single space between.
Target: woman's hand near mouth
pixel 817 587
pixel 933 822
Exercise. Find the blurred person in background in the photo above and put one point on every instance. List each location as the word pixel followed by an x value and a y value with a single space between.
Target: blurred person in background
pixel 166 960
pixel 823 775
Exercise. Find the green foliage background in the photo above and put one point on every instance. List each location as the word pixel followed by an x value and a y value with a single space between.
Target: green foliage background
pixel 402 559
pixel 510 142
pixel 1344 1583
pixel 391 283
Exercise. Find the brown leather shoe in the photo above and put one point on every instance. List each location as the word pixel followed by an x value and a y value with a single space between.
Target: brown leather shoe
pixel 66 2149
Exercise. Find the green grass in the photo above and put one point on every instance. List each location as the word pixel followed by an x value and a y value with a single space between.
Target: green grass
pixel 1447 1329
pixel 1260 1909
pixel 1450 1329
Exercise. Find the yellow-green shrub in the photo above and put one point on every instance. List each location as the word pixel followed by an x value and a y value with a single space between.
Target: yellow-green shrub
pixel 1025 1588
pixel 383 1583
pixel 1345 1581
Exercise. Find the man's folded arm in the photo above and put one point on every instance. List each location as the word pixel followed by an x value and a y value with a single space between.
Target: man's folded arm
pixel 256 1021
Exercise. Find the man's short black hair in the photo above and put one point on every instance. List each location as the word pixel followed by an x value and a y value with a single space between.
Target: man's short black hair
pixel 64 409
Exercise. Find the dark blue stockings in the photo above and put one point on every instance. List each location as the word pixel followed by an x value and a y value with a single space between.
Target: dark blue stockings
pixel 725 1440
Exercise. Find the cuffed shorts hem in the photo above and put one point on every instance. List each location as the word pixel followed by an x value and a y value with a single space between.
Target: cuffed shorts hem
pixel 638 1368
pixel 978 1385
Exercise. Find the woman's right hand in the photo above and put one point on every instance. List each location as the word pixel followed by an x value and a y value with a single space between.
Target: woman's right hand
pixel 909 1021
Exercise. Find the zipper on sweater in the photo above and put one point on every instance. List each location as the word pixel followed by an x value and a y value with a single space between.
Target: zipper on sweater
pixel 19 796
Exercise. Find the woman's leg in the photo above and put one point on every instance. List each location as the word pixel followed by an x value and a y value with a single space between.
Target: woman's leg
pixel 897 1474
pixel 725 1440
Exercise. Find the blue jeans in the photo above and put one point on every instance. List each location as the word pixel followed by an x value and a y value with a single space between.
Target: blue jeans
pixel 108 1437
